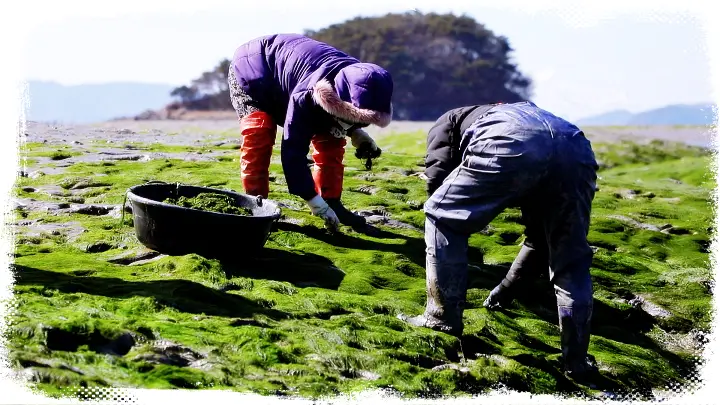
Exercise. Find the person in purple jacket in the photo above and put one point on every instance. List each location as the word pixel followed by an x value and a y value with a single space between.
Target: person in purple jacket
pixel 319 95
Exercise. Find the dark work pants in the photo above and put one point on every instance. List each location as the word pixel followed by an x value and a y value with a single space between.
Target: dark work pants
pixel 517 155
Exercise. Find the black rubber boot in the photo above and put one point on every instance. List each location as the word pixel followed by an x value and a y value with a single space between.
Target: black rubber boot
pixel 446 295
pixel 345 216
pixel 528 261
pixel 575 340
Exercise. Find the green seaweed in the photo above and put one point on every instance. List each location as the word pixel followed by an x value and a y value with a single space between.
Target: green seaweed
pixel 213 202
pixel 313 314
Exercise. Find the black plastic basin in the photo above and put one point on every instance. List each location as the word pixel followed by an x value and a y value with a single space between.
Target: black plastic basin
pixel 175 230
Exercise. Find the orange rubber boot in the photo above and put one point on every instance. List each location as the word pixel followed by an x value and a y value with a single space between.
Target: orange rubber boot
pixel 259 131
pixel 328 154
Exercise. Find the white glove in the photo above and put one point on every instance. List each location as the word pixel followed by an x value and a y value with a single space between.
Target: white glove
pixel 321 209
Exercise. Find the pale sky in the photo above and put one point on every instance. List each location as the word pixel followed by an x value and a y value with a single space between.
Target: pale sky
pixel 621 62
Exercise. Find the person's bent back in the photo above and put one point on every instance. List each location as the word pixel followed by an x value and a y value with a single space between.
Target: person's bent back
pixel 484 159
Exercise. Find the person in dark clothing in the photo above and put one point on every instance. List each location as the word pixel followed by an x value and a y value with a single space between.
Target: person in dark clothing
pixel 483 159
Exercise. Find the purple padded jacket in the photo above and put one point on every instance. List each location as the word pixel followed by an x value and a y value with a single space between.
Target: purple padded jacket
pixel 303 83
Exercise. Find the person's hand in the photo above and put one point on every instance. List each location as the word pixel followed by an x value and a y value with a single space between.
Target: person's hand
pixel 368 151
pixel 321 209
pixel 365 146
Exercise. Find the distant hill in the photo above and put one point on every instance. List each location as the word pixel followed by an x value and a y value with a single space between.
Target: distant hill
pixel 53 102
pixel 679 114
pixel 86 103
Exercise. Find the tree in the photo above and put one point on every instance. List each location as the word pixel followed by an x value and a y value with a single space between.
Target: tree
pixel 210 91
pixel 438 61
pixel 185 94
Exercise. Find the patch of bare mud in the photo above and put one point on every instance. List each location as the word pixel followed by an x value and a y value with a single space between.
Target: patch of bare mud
pixel 692 342
pixel 136 257
pixel 184 132
pixel 382 217
pixel 30 204
pixel 125 134
pixel 38 228
pixel 636 224
pixel 49 167
pixel 173 354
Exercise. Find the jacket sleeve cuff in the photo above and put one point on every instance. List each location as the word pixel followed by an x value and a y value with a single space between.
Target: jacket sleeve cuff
pixel 358 137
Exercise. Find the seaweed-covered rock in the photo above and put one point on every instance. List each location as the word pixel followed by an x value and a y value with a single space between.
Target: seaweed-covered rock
pixel 79 183
pixel 650 308
pixel 173 354
pixel 369 190
pixel 636 224
pixel 92 209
